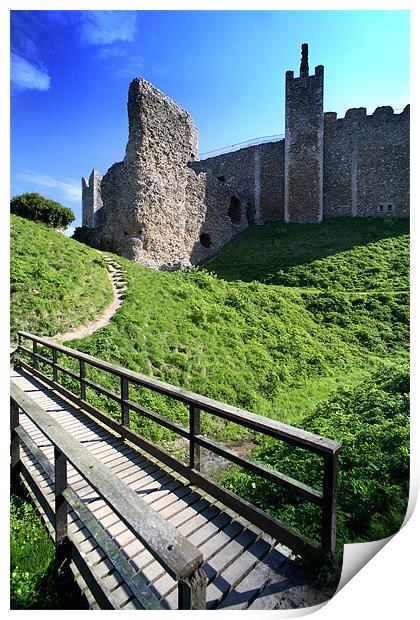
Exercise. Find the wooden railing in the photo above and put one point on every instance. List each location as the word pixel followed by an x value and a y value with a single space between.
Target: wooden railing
pixel 180 559
pixel 327 449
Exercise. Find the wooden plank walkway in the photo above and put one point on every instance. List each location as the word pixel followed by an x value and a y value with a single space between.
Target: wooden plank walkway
pixel 245 567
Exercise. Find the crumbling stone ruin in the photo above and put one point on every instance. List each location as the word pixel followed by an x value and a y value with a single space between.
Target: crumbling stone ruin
pixel 164 207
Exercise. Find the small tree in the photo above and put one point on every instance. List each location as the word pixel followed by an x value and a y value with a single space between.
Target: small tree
pixel 35 207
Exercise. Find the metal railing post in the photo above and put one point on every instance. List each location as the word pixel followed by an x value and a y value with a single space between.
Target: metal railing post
pixel 195 456
pixel 192 591
pixel 329 508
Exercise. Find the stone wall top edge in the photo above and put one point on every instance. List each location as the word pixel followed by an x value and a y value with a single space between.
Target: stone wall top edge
pixel 149 88
pixel 318 73
pixel 380 113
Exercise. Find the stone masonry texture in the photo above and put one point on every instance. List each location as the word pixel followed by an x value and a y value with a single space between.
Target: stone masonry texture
pixel 304 130
pixel 165 208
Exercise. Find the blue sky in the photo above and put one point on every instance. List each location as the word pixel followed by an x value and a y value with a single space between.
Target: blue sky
pixel 70 72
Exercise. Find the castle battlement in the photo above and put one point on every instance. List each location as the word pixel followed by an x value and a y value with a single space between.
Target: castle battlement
pixel 382 114
pixel 163 207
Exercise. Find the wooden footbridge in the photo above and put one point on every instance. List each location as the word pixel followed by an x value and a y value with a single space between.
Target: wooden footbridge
pixel 138 527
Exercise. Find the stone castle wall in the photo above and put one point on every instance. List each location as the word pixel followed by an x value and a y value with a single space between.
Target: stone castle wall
pixel 258 172
pixel 144 196
pixel 157 209
pixel 91 199
pixel 163 207
pixel 366 163
pixel 217 212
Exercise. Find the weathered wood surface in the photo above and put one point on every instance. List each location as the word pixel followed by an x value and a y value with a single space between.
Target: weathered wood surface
pixel 175 553
pixel 238 556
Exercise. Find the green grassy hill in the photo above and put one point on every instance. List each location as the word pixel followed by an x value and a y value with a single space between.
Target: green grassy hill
pixel 273 350
pixel 343 254
pixel 56 283
pixel 294 322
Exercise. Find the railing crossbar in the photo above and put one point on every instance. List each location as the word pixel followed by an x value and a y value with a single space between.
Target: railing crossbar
pixel 323 447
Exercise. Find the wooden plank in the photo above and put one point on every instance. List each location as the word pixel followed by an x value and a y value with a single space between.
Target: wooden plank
pixel 228 554
pixel 189 528
pixel 14 445
pixel 227 579
pixel 222 538
pixel 36 452
pixel 178 556
pixel 171 499
pixel 34 487
pixel 271 526
pixel 209 529
pixel 195 454
pixel 89 577
pixel 329 513
pixel 192 591
pixel 108 546
pixel 206 537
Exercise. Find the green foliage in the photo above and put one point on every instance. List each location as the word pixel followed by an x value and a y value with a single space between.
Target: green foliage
pixel 56 283
pixel 33 206
pixel 32 583
pixel 372 422
pixel 302 350
pixel 268 349
pixel 31 552
pixel 342 254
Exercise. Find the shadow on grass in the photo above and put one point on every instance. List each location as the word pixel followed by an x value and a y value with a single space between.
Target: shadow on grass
pixel 260 251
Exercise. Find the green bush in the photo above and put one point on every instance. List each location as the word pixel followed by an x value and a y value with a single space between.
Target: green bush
pixel 32 576
pixel 372 422
pixel 31 553
pixel 33 206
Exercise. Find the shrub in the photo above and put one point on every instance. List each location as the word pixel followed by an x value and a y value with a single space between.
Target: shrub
pixel 35 207
pixel 372 421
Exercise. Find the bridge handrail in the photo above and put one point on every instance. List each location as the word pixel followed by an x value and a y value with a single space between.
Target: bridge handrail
pixel 326 448
pixel 172 550
pixel 289 434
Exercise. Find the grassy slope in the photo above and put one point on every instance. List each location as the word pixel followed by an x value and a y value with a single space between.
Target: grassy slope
pixel 357 254
pixel 273 350
pixel 56 283
pixel 280 351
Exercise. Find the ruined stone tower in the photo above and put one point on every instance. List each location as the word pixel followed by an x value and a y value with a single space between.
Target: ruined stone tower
pixel 304 135
pixel 91 198
pixel 144 196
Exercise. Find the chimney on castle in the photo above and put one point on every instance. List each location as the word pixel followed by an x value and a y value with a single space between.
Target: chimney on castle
pixel 304 66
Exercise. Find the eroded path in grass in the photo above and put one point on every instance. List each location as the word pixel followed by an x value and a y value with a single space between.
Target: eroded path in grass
pixel 119 285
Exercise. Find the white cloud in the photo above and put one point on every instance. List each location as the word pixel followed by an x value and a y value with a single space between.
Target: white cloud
pixel 110 52
pixel 26 75
pixel 107 27
pixel 69 189
pixel 133 67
